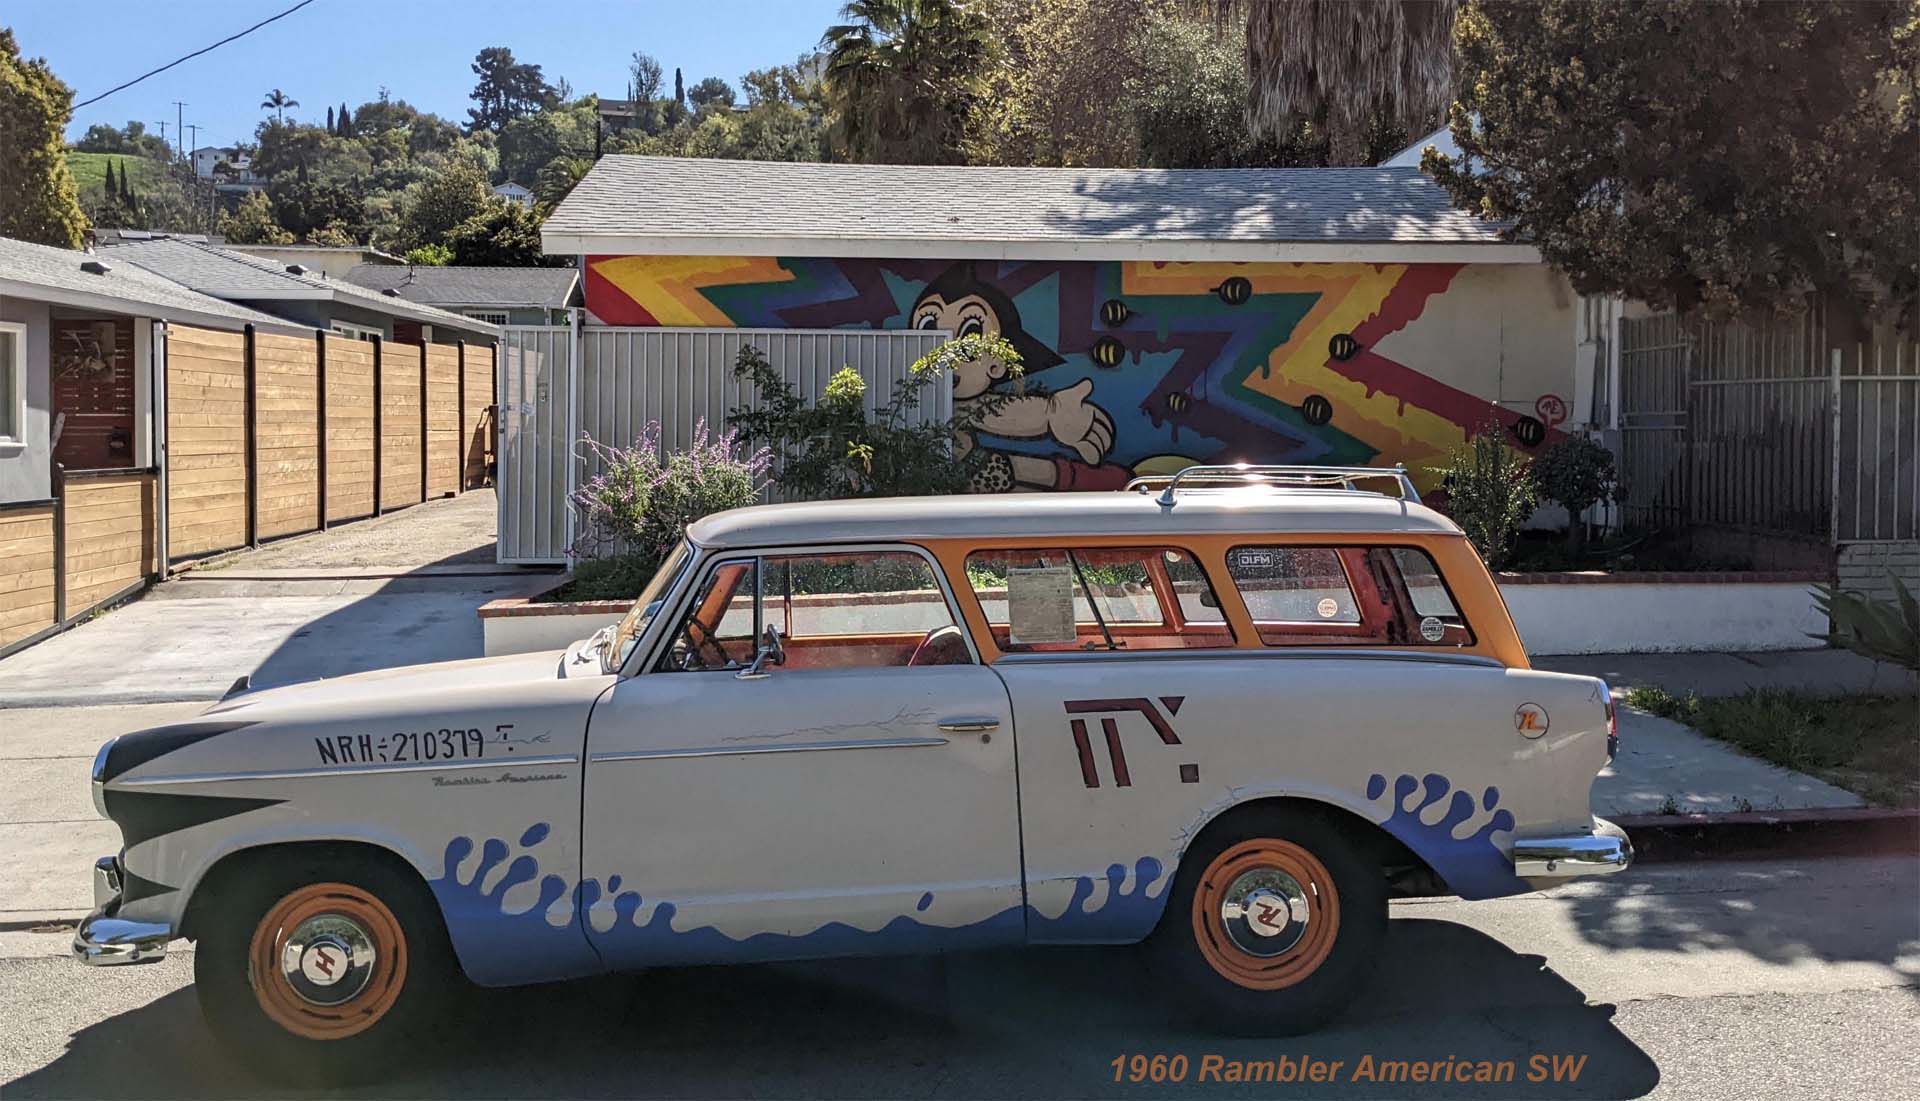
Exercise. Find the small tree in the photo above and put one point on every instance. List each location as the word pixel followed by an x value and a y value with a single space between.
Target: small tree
pixel 833 449
pixel 252 223
pixel 1577 473
pixel 38 201
pixel 1490 492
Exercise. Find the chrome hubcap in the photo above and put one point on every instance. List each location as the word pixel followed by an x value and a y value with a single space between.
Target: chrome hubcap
pixel 1265 912
pixel 327 959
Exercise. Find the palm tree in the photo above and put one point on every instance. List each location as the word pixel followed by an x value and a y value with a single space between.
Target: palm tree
pixel 1341 63
pixel 902 77
pixel 278 102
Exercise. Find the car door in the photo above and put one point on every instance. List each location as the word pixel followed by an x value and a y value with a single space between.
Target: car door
pixel 858 797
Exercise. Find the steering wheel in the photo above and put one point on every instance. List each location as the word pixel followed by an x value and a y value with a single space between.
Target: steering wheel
pixel 704 639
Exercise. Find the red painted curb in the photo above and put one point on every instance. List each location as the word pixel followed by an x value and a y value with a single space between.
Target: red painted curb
pixel 1750 835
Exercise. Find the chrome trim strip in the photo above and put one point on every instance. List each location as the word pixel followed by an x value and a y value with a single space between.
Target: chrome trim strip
pixel 1604 851
pixel 378 770
pixel 742 750
pixel 970 725
pixel 103 941
pixel 1322 653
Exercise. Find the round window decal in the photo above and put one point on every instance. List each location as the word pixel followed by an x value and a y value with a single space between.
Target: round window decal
pixel 1328 607
pixel 1432 629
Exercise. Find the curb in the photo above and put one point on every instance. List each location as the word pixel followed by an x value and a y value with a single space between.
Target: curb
pixel 1835 831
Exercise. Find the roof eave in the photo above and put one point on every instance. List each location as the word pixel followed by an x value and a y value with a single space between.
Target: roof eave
pixel 111 303
pixel 563 243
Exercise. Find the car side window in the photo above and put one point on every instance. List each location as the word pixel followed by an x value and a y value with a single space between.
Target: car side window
pixel 1096 598
pixel 1330 596
pixel 833 611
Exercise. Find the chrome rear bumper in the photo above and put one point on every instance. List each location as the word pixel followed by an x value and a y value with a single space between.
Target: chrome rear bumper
pixel 1601 852
pixel 105 939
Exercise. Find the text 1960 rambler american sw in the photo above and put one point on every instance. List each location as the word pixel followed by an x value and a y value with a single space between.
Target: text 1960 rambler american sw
pixel 1229 713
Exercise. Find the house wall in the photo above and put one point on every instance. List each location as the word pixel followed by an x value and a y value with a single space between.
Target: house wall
pixel 25 468
pixel 1152 366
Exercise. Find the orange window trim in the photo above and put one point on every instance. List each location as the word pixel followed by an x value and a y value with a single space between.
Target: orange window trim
pixel 1474 592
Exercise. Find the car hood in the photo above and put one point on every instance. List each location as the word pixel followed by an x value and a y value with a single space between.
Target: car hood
pixel 407 682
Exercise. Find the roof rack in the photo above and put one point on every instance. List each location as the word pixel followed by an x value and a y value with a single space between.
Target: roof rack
pixel 1299 477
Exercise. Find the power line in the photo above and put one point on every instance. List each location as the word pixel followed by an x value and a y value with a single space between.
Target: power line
pixel 191 56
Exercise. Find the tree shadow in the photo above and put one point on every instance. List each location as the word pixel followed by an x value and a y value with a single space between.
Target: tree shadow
pixel 999 1024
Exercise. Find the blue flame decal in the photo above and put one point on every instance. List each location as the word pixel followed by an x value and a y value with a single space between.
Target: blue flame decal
pixel 1473 865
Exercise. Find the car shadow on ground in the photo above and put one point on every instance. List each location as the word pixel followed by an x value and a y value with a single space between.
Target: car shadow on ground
pixel 997 1024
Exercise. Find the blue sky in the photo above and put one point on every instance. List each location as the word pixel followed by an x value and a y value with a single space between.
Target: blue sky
pixel 336 50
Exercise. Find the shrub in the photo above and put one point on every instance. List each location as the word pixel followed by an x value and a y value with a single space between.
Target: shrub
pixel 1577 473
pixel 1490 493
pixel 832 449
pixel 1884 630
pixel 642 503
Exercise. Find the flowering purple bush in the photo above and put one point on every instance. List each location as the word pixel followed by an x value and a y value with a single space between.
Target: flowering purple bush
pixel 643 503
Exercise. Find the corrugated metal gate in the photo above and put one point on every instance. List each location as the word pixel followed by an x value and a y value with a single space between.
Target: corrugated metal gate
pixel 1769 428
pixel 627 377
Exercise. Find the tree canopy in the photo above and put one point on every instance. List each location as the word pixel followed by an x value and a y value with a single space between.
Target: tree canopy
pixel 903 76
pixel 40 203
pixel 1722 155
pixel 507 90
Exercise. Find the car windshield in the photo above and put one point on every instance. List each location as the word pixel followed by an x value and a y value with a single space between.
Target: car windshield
pixel 634 624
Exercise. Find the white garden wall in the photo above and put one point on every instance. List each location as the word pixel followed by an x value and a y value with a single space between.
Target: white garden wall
pixel 1663 613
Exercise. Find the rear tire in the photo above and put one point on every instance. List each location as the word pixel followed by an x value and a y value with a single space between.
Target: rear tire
pixel 1274 923
pixel 323 972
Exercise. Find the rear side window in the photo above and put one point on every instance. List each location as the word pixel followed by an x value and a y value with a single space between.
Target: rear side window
pixel 1073 598
pixel 1331 596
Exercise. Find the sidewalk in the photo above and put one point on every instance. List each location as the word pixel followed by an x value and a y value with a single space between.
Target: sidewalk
pixel 1665 767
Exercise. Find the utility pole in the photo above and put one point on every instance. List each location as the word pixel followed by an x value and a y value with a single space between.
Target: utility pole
pixel 179 116
pixel 193 139
pixel 163 131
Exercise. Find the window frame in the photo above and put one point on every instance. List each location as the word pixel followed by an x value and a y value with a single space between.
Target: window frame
pixel 646 659
pixel 13 430
pixel 488 316
pixel 1173 618
pixel 1414 642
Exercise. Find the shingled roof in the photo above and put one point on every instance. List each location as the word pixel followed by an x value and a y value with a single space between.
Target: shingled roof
pixel 669 205
pixel 462 287
pixel 42 273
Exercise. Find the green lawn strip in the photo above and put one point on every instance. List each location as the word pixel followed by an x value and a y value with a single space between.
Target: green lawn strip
pixel 90 170
pixel 1869 745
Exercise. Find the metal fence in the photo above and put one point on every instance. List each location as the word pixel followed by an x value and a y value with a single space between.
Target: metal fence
pixel 1769 428
pixel 627 378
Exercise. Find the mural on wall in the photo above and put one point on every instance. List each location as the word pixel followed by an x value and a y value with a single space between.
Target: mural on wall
pixel 1131 367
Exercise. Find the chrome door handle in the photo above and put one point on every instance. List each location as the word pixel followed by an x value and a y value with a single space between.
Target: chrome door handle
pixel 970 725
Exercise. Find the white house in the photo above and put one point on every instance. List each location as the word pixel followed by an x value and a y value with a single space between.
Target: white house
pixel 514 193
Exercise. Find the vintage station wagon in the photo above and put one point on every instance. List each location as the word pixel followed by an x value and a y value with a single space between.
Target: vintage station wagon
pixel 1229 713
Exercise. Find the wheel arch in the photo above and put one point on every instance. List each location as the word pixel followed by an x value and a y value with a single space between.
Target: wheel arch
pixel 1408 874
pixel 229 867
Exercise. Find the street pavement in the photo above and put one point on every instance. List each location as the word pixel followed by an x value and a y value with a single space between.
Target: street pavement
pixel 1746 980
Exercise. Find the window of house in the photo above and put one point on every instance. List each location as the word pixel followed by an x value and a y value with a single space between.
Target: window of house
pixel 13 381
pixel 874 609
pixel 1137 598
pixel 357 332
pixel 491 317
pixel 1325 596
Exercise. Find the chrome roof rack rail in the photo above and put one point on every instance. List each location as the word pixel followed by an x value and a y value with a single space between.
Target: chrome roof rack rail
pixel 1297 477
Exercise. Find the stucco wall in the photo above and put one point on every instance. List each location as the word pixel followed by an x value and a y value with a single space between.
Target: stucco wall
pixel 1871 567
pixel 25 470
pixel 1151 366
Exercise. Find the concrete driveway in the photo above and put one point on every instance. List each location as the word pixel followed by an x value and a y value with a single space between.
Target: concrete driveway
pixel 398 590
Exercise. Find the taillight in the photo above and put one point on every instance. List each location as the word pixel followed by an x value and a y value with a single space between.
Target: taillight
pixel 1613 722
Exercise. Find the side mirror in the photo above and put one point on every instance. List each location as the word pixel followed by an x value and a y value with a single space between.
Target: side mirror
pixel 770 651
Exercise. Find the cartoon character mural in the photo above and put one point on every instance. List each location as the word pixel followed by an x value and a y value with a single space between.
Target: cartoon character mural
pixel 1136 367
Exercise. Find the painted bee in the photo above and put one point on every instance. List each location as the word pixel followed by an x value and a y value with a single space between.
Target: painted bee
pixel 1107 352
pixel 1234 290
pixel 1343 347
pixel 1316 410
pixel 1177 403
pixel 1529 431
pixel 1114 312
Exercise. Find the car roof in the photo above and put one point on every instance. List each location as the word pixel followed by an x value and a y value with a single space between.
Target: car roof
pixel 1251 510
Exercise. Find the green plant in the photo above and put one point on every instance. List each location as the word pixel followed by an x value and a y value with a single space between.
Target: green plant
pixel 1884 630
pixel 1490 492
pixel 1655 700
pixel 835 448
pixel 616 577
pixel 41 204
pixel 430 256
pixel 1578 474
pixel 642 503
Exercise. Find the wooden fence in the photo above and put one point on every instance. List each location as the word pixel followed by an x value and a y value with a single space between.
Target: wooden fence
pixel 269 436
pixel 266 436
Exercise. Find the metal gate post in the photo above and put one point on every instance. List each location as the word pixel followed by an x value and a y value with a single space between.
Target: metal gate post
pixel 576 359
pixel 1833 517
pixel 157 363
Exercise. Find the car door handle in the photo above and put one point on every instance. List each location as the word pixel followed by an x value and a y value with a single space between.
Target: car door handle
pixel 970 725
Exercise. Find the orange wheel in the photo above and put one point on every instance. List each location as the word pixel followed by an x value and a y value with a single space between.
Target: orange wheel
pixel 327 961
pixel 1266 914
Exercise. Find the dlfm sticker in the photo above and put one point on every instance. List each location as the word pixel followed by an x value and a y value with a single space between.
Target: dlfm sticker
pixel 1328 607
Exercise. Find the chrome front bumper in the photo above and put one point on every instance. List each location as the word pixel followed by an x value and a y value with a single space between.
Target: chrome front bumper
pixel 105 939
pixel 1604 851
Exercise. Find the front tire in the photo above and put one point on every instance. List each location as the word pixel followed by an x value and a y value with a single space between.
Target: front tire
pixel 322 972
pixel 1275 920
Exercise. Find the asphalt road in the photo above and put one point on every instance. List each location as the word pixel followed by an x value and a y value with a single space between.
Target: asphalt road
pixel 1733 980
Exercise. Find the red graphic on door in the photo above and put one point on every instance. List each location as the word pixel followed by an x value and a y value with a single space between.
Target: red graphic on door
pixel 1110 733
